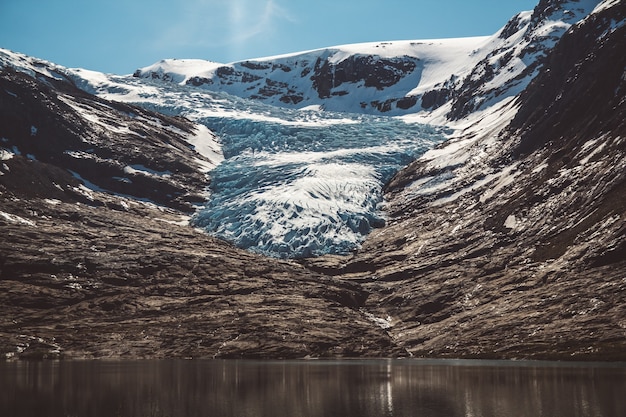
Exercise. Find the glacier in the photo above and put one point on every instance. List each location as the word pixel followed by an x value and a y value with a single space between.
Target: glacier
pixel 308 185
pixel 288 183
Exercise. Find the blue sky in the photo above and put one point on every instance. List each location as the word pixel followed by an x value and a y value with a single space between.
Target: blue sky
pixel 119 36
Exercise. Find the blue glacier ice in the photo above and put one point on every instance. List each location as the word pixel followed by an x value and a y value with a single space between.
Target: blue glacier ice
pixel 306 183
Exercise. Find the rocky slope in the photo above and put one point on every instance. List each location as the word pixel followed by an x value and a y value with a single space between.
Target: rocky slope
pixel 108 146
pixel 97 258
pixel 508 241
pixel 79 281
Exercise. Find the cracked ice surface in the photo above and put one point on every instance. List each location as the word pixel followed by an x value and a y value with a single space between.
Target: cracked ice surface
pixel 297 189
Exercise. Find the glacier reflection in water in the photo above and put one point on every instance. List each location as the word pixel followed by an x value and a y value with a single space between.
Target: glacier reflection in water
pixel 311 388
pixel 306 183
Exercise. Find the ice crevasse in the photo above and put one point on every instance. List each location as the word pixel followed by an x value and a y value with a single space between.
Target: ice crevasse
pixel 305 187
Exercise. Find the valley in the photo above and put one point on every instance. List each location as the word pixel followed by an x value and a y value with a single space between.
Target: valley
pixel 451 199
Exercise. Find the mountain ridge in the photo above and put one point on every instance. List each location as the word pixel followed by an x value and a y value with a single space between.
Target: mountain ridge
pixel 392 77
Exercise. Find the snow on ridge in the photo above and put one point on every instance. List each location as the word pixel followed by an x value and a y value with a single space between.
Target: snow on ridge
pixel 206 144
pixel 383 49
pixel 605 4
pixel 272 78
pixel 181 70
pixel 29 65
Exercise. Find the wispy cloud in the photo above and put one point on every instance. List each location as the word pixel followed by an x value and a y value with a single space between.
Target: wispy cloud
pixel 248 22
pixel 222 23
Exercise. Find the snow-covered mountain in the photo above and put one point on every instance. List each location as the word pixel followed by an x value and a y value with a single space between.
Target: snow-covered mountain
pixel 363 78
pixel 293 182
pixel 506 240
pixel 289 141
pixel 402 77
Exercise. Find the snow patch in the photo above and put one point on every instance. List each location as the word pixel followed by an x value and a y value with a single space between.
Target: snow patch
pixel 606 4
pixel 384 323
pixel 594 147
pixel 142 170
pixel 511 222
pixel 540 167
pixel 498 181
pixel 206 144
pixel 12 218
pixel 183 220
pixel 6 154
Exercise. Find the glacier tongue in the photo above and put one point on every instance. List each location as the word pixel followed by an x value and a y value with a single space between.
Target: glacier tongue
pixel 309 184
pixel 294 183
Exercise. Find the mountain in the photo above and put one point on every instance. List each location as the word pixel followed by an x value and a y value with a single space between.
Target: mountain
pixel 461 75
pixel 98 259
pixel 510 240
pixel 505 241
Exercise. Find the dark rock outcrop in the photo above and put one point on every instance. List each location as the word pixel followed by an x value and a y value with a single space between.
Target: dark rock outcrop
pixel 371 71
pixel 580 92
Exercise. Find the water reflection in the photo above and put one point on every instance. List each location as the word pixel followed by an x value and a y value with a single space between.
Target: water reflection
pixel 311 388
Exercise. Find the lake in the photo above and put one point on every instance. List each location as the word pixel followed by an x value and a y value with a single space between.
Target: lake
pixel 436 388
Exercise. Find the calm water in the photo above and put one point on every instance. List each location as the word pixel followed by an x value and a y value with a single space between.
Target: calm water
pixel 312 388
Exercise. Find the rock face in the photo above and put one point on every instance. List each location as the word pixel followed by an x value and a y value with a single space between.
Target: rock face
pixel 507 242
pixel 369 70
